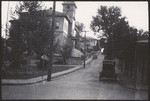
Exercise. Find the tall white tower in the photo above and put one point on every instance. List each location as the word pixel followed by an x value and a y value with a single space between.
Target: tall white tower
pixel 69 8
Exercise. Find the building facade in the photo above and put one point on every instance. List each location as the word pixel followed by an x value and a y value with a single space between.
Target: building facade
pixel 66 33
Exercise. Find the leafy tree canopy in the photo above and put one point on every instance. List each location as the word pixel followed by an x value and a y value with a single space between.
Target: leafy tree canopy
pixel 66 52
pixel 115 30
pixel 28 6
pixel 105 19
pixel 32 27
pixel 79 26
pixel 115 33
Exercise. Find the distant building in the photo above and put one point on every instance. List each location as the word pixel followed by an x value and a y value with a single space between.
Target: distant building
pixel 91 43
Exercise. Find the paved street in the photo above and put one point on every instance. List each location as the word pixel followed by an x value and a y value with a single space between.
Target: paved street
pixel 81 84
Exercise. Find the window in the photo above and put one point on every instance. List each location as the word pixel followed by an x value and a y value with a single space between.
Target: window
pixel 68 6
pixel 57 25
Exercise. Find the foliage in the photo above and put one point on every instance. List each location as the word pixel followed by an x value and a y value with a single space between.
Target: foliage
pixel 32 28
pixel 142 35
pixel 79 26
pixel 66 52
pixel 28 6
pixel 102 43
pixel 106 20
pixel 116 34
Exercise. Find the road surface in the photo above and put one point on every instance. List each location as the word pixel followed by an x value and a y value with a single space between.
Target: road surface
pixel 81 84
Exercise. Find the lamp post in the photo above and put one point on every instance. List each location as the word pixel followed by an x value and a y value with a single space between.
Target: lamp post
pixel 84 48
pixel 51 43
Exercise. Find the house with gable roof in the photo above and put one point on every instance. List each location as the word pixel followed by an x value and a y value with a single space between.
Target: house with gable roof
pixel 66 32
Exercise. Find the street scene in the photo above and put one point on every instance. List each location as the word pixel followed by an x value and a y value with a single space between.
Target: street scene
pixel 71 50
pixel 81 84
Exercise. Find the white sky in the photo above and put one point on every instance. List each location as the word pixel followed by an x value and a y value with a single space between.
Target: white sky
pixel 136 12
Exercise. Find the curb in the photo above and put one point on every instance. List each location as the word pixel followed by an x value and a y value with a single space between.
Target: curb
pixel 40 79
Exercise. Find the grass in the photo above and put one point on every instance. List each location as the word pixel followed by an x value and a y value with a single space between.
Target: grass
pixel 33 71
pixel 21 73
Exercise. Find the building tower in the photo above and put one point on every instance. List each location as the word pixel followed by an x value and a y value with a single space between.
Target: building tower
pixel 69 8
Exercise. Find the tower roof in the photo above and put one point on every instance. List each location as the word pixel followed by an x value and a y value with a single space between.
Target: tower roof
pixel 69 3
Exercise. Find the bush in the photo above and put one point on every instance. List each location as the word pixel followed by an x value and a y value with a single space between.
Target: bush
pixel 58 62
pixel 66 52
pixel 41 65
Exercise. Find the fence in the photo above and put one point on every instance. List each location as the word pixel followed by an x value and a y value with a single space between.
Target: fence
pixel 134 62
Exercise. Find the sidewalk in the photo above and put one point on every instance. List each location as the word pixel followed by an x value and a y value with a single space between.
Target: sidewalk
pixel 41 78
pixel 129 82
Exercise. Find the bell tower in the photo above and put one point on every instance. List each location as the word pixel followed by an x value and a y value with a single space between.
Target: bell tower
pixel 69 8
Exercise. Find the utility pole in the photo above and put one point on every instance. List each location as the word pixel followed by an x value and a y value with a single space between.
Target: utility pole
pixel 7 19
pixel 51 43
pixel 112 42
pixel 6 31
pixel 84 48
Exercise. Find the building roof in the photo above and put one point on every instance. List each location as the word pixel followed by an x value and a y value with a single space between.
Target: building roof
pixel 70 3
pixel 57 14
pixel 49 12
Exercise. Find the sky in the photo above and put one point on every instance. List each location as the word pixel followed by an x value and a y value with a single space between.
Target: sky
pixel 136 12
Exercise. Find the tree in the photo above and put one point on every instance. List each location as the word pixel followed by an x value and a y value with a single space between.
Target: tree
pixel 32 27
pixel 79 26
pixel 102 43
pixel 145 35
pixel 142 35
pixel 105 20
pixel 31 31
pixel 120 37
pixel 66 52
pixel 114 28
pixel 28 6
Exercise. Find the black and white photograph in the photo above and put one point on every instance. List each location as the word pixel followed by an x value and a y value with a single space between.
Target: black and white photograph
pixel 74 50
